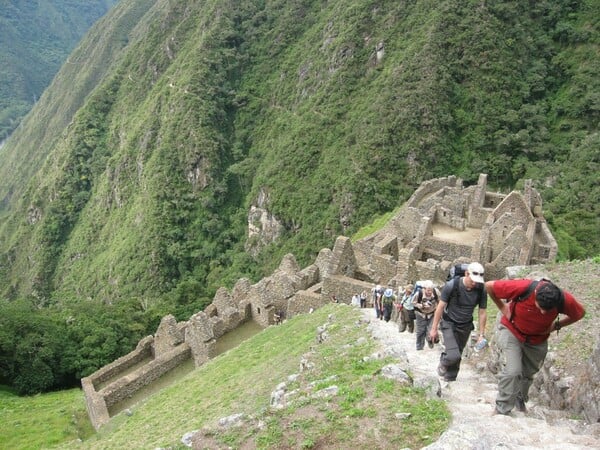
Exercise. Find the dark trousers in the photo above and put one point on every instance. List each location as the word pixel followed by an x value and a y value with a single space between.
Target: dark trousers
pixel 455 337
pixel 387 311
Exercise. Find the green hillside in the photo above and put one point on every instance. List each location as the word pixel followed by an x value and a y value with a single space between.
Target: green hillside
pixel 126 191
pixel 35 40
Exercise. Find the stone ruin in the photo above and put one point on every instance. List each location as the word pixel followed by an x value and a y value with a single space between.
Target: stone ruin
pixel 442 224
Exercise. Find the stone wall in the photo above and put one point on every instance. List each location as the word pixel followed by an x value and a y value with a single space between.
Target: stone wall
pixel 584 395
pixel 305 301
pixel 447 250
pixel 403 251
pixel 126 386
pixel 345 287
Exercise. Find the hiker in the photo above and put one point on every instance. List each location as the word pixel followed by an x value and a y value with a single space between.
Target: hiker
pixel 363 299
pixel 530 312
pixel 425 302
pixel 355 300
pixel 454 316
pixel 407 311
pixel 377 304
pixel 388 303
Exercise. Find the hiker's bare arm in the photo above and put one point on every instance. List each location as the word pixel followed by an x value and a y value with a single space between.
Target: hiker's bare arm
pixel 564 321
pixel 503 307
pixel 482 323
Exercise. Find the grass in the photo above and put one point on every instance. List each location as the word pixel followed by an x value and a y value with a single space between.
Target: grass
pixel 42 420
pixel 360 413
pixel 374 226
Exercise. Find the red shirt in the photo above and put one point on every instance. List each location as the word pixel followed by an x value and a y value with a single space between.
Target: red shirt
pixel 527 323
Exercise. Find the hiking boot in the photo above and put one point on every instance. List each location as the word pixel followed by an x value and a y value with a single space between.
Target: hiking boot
pixel 441 370
pixel 520 405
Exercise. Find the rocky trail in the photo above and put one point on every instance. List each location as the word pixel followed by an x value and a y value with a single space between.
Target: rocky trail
pixel 471 401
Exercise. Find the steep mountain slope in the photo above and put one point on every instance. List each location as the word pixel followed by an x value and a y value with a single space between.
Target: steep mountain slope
pixel 36 138
pixel 318 114
pixel 34 42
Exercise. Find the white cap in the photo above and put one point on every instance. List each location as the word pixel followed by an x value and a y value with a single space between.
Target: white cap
pixel 476 272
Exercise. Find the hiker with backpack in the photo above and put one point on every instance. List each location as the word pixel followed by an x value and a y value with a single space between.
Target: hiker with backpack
pixel 530 312
pixel 454 316
pixel 425 302
pixel 387 302
pixel 407 311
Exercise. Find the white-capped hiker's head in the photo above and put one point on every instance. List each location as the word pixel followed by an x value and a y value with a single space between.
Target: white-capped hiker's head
pixel 475 272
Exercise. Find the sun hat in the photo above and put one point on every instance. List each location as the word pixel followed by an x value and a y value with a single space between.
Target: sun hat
pixel 388 293
pixel 476 272
pixel 427 284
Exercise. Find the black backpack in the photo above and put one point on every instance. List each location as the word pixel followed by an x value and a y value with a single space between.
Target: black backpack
pixel 458 270
pixel 532 287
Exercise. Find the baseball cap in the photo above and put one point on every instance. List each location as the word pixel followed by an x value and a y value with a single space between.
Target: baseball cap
pixel 476 272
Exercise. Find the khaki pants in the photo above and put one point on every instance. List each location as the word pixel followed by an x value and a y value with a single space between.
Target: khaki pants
pixel 406 320
pixel 519 362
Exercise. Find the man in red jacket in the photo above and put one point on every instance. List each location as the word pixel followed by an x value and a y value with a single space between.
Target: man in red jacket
pixel 529 315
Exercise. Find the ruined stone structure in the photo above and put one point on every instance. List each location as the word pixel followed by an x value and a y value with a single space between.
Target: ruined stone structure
pixel 443 223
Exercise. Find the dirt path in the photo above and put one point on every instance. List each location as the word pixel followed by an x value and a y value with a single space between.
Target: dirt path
pixel 471 399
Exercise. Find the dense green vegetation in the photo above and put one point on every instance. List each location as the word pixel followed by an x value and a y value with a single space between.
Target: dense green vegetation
pixel 35 40
pixel 128 186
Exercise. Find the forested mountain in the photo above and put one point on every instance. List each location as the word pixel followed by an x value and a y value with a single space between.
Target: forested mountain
pixel 128 191
pixel 35 39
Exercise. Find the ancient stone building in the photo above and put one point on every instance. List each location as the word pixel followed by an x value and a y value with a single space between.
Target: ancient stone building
pixel 443 223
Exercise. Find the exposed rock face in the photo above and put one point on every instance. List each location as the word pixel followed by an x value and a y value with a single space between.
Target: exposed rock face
pixel 263 227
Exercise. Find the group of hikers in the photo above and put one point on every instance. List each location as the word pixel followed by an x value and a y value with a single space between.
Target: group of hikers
pixel 531 311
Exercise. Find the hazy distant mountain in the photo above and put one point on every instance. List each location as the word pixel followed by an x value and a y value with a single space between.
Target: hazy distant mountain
pixel 35 39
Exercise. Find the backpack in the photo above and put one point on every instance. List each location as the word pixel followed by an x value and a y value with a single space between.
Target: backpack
pixel 458 270
pixel 531 288
pixel 417 288
pixel 388 297
pixel 420 294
